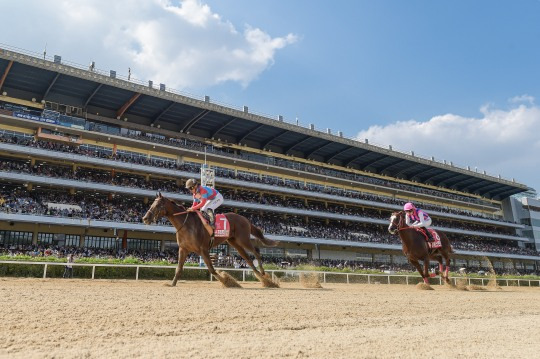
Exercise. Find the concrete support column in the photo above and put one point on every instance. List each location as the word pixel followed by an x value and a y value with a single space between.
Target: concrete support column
pixel 34 237
pixel 162 246
pixel 81 240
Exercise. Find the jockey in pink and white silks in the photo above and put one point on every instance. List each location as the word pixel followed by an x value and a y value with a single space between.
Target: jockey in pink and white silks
pixel 417 218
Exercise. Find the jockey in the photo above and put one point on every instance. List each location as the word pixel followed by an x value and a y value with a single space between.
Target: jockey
pixel 417 218
pixel 206 199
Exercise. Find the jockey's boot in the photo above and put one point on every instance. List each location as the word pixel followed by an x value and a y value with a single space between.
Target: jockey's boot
pixel 211 217
pixel 429 238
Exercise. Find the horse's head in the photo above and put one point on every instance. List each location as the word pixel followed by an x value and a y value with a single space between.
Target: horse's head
pixel 156 211
pixel 396 222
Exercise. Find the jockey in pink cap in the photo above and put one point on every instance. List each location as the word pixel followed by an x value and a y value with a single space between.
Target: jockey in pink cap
pixel 417 218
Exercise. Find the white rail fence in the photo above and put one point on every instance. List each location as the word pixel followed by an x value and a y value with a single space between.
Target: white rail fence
pixel 291 275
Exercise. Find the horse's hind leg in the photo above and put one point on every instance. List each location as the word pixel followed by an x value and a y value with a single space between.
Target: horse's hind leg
pixel 248 260
pixel 447 269
pixel 257 253
pixel 441 267
pixel 182 255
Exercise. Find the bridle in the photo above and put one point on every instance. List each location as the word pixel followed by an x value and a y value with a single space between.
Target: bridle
pixel 152 211
pixel 155 212
pixel 400 226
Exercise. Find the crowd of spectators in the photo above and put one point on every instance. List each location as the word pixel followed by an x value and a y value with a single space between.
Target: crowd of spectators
pixel 131 210
pixel 298 166
pixel 84 206
pixel 225 173
pixel 136 181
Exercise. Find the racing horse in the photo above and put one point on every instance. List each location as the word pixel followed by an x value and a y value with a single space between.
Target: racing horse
pixel 192 236
pixel 416 248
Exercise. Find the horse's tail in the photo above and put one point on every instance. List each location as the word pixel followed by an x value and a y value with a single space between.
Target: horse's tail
pixel 257 233
pixel 450 248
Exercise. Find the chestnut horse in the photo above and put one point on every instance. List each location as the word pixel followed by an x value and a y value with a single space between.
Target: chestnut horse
pixel 416 248
pixel 192 236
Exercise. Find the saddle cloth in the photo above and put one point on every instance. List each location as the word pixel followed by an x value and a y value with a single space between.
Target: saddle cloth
pixel 223 228
pixel 221 224
pixel 436 239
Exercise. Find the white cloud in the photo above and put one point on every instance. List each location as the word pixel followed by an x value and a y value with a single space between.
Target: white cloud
pixel 504 142
pixel 522 99
pixel 185 44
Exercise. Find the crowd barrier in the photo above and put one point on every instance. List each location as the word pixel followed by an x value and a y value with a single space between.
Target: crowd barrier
pixel 246 274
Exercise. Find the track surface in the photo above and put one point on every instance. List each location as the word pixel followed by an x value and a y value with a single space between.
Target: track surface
pixel 86 319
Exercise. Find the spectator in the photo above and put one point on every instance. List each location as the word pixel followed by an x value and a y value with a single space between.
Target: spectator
pixel 68 270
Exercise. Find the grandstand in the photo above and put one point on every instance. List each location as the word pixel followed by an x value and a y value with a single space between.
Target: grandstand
pixel 83 153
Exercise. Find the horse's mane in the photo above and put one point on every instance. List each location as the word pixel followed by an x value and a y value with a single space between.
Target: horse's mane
pixel 176 204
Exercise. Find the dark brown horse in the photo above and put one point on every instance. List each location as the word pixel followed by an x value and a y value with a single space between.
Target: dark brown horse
pixel 416 248
pixel 192 236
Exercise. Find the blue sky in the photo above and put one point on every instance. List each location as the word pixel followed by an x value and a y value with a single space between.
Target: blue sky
pixel 458 80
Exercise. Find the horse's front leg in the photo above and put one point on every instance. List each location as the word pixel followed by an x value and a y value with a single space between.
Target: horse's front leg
pixel 426 270
pixel 182 255
pixel 418 268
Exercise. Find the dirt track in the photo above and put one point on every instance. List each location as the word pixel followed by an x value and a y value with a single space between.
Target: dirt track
pixel 84 318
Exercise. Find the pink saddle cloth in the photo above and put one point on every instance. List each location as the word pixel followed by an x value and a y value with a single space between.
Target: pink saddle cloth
pixel 436 238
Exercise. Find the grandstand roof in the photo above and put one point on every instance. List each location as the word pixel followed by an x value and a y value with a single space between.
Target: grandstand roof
pixel 26 76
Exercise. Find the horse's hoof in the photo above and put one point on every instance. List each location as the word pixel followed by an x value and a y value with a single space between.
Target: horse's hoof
pixel 423 286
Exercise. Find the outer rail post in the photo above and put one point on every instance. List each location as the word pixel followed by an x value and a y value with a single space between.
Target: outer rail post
pixel 93 271
pixel 45 271
pixel 137 273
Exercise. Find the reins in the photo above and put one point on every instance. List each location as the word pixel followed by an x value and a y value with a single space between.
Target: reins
pixel 402 227
pixel 185 219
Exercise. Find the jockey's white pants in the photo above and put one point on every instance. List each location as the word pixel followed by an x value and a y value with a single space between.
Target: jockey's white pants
pixel 213 204
pixel 426 224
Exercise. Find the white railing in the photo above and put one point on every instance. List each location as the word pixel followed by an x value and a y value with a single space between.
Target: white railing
pixel 325 277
